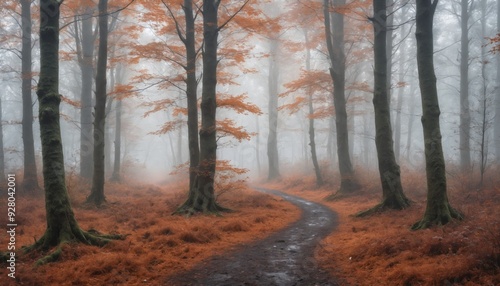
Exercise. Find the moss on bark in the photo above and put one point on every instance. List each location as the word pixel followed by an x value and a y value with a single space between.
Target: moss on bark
pixel 438 210
pixel 62 226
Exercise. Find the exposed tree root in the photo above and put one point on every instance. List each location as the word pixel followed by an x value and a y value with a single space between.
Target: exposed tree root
pixel 442 217
pixel 347 187
pixel 189 209
pixel 373 210
pixel 91 237
pixel 96 199
pixel 399 203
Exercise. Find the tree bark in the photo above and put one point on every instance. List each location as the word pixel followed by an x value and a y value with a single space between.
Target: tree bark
pixel 97 193
pixel 202 197
pixel 438 210
pixel 401 90
pixel 312 140
pixel 392 190
pixel 483 151
pixel 62 226
pixel 86 63
pixel 465 119
pixel 335 44
pixel 272 140
pixel 496 131
pixel 2 153
pixel 411 119
pixel 389 11
pixel 191 94
pixel 30 179
pixel 116 177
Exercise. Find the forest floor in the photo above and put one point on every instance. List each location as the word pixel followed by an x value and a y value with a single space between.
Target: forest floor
pixel 382 250
pixel 159 245
pixel 376 250
pixel 285 258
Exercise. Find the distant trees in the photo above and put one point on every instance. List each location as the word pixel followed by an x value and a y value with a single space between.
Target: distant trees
pixel 334 34
pixel 465 116
pixel 496 132
pixel 97 193
pixel 85 38
pixel 30 179
pixel 272 139
pixel 438 210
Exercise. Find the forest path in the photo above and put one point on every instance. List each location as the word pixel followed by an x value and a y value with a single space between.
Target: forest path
pixel 284 258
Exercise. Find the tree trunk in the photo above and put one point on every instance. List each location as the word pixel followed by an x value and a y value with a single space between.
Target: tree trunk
pixel 483 152
pixel 465 120
pixel 272 140
pixel 30 179
pixel 438 210
pixel 392 190
pixel 2 154
pixel 202 197
pixel 335 44
pixel 97 193
pixel 257 145
pixel 86 62
pixel 116 177
pixel 312 140
pixel 191 94
pixel 496 131
pixel 401 90
pixel 411 119
pixel 389 12
pixel 62 226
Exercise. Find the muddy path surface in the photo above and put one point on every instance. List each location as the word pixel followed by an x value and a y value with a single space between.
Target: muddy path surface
pixel 284 258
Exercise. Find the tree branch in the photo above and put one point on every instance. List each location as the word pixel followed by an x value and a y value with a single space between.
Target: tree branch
pixel 232 16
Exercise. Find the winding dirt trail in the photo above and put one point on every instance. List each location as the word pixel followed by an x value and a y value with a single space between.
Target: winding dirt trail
pixel 284 258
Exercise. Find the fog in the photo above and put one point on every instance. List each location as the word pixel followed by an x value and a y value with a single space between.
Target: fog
pixel 244 70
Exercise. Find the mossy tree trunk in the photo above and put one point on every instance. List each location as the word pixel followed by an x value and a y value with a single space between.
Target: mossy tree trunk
pixel 202 197
pixel 334 32
pixel 392 190
pixel 62 226
pixel 97 193
pixel 438 210
pixel 30 179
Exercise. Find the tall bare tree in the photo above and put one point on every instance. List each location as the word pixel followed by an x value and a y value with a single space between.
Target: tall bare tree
pixel 496 132
pixel 312 135
pixel 85 38
pixel 2 154
pixel 334 32
pixel 465 119
pixel 97 193
pixel 438 210
pixel 202 196
pixel 392 190
pixel 272 139
pixel 30 180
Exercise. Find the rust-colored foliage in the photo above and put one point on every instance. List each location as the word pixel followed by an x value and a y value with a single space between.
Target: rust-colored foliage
pixel 159 245
pixel 382 250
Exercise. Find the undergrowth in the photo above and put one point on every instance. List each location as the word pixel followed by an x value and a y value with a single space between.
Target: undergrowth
pixel 158 245
pixel 382 250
